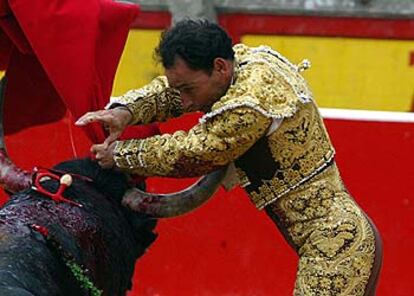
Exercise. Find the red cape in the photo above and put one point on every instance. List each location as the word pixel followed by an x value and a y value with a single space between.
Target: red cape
pixel 62 54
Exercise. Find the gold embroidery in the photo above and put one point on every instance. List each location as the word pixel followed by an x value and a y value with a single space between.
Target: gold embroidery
pixel 335 241
pixel 204 148
pixel 265 81
pixel 153 102
pixel 301 147
pixel 243 179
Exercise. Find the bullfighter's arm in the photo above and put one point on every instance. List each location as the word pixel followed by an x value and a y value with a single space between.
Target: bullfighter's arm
pixel 155 101
pixel 206 147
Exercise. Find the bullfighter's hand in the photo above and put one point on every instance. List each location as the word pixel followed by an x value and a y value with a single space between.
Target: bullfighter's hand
pixel 104 154
pixel 114 120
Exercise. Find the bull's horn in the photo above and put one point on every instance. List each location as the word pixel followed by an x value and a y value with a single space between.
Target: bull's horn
pixel 174 204
pixel 12 178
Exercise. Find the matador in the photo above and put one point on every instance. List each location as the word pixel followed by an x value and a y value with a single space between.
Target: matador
pixel 260 117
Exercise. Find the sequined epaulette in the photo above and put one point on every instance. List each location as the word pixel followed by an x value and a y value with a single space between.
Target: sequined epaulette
pixel 266 81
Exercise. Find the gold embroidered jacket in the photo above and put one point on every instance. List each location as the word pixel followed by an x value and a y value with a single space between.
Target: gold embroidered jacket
pixel 267 124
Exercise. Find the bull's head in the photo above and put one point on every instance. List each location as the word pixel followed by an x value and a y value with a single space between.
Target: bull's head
pixel 14 179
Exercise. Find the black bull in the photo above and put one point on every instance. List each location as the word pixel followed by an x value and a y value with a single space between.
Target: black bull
pixel 49 248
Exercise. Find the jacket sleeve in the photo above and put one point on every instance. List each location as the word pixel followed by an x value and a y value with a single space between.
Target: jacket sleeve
pixel 154 102
pixel 206 147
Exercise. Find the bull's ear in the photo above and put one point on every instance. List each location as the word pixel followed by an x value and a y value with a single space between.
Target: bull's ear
pixel 175 204
pixel 12 178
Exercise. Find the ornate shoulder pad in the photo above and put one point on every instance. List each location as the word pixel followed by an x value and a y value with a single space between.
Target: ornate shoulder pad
pixel 264 81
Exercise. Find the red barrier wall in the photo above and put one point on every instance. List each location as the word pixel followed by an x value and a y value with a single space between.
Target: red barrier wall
pixel 238 24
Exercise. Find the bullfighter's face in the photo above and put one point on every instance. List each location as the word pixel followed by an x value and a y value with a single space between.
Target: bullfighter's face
pixel 200 89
